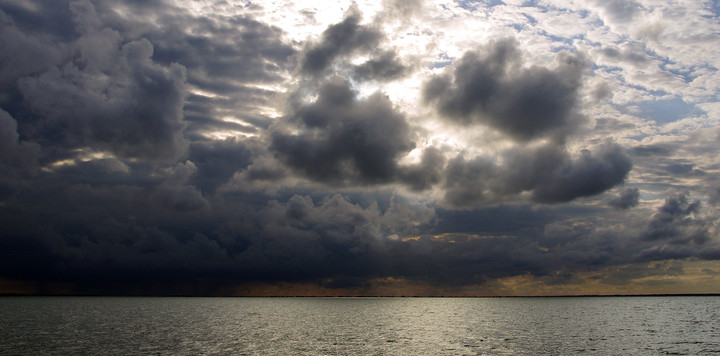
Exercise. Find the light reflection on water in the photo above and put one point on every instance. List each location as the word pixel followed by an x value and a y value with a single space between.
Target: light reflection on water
pixel 353 326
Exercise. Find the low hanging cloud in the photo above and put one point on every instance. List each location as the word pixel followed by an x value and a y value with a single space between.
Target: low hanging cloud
pixel 678 229
pixel 590 174
pixel 628 198
pixel 218 160
pixel 491 86
pixel 341 137
pixel 674 222
pixel 107 93
pixel 548 173
pixel 18 159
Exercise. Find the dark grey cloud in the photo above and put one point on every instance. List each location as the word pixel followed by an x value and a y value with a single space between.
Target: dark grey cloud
pixel 601 91
pixel 588 175
pixel 102 145
pixel 162 239
pixel 227 57
pixel 680 168
pixel 339 40
pixel 657 150
pixel 25 49
pixel 612 125
pixel 714 196
pixel 384 68
pixel 630 273
pixel 628 198
pixel 425 174
pixel 296 239
pixel 122 234
pixel 341 137
pixel 94 89
pixel 218 160
pixel 15 152
pixel 176 193
pixel 547 172
pixel 217 54
pixel 136 112
pixel 676 221
pixel 490 86
pixel 122 84
pixel 18 159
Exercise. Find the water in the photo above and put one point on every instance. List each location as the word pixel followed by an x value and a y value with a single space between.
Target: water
pixel 359 326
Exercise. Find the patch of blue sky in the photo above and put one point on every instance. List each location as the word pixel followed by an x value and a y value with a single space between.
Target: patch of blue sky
pixel 474 4
pixel 441 64
pixel 666 111
pixel 443 61
pixel 562 48
pixel 687 74
pixel 530 19
pixel 652 191
pixel 584 13
pixel 615 70
pixel 715 8
pixel 564 40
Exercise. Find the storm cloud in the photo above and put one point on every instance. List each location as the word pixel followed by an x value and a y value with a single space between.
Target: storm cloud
pixel 627 199
pixel 547 173
pixel 206 148
pixel 490 86
pixel 341 137
pixel 674 221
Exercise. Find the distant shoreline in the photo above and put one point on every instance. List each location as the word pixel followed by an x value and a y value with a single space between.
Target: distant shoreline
pixel 366 296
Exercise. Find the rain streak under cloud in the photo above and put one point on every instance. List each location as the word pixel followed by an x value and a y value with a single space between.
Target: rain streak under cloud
pixel 360 148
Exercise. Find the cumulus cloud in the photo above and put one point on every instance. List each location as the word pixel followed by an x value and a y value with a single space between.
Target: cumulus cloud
pixel 18 159
pixel 13 151
pixel 218 160
pixel 110 95
pixel 340 137
pixel 547 173
pixel 491 86
pixel 714 196
pixel 628 198
pixel 673 221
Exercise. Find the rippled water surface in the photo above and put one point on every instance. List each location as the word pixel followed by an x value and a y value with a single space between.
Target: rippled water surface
pixel 359 326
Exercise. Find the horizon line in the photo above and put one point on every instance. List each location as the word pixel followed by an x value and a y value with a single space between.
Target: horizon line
pixel 367 296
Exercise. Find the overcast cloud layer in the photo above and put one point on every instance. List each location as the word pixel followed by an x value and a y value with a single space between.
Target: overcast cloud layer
pixel 374 147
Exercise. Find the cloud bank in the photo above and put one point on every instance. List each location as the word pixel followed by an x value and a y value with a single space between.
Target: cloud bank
pixel 174 147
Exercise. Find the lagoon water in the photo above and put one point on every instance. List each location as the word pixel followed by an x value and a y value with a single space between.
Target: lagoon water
pixel 359 326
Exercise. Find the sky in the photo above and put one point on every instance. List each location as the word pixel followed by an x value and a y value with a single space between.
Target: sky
pixel 378 147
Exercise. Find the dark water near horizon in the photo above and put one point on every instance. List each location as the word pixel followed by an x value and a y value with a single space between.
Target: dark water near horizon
pixel 359 326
